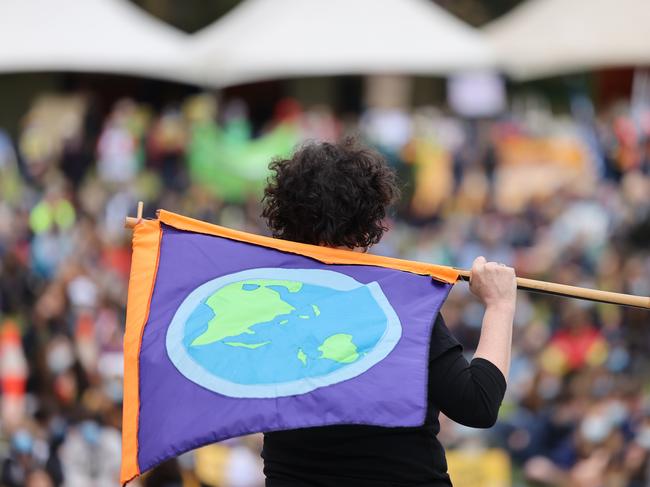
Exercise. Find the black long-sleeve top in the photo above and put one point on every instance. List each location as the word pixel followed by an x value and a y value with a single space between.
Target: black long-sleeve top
pixel 372 456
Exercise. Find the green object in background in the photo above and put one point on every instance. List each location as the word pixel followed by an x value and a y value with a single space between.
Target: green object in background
pixel 46 214
pixel 232 164
pixel 11 188
pixel 205 159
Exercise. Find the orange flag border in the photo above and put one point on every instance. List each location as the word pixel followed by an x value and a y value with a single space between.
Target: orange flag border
pixel 326 255
pixel 144 266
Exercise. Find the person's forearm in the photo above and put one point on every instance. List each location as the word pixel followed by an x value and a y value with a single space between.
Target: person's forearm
pixel 496 336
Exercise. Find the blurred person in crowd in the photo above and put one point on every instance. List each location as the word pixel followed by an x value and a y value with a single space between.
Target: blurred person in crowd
pixel 91 455
pixel 337 195
pixel 117 146
pixel 28 453
pixel 166 146
pixel 321 124
pixel 432 166
pixel 576 344
pixel 590 455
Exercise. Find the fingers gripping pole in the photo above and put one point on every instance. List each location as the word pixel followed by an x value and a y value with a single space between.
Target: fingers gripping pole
pixel 574 291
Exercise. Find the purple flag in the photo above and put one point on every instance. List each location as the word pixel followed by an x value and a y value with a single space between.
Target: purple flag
pixel 230 333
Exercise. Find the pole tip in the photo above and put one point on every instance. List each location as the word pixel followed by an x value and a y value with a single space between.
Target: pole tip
pixel 131 222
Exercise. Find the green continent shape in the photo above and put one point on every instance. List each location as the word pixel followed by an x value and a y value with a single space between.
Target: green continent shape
pixel 339 348
pixel 302 356
pixel 316 309
pixel 252 346
pixel 236 309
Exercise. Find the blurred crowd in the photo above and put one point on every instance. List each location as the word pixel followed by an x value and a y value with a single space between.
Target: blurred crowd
pixel 564 198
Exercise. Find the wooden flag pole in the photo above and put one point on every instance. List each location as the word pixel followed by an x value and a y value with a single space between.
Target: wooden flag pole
pixel 522 283
pixel 573 291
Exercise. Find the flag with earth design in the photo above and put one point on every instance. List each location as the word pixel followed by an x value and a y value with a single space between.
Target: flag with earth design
pixel 230 333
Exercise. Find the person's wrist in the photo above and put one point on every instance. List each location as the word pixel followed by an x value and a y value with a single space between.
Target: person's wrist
pixel 501 305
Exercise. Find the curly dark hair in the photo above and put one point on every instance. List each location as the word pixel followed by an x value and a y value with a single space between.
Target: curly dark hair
pixel 330 194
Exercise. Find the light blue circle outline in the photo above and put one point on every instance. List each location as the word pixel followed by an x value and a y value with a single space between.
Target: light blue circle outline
pixel 335 280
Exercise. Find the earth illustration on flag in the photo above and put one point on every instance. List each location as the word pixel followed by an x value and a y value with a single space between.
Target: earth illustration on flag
pixel 275 332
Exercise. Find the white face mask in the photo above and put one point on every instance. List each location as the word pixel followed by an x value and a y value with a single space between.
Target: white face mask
pixel 643 437
pixel 60 357
pixel 595 428
pixel 617 412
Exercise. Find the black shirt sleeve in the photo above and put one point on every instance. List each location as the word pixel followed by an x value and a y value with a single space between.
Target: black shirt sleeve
pixel 468 393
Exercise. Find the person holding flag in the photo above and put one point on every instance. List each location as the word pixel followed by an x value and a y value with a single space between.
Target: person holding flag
pixel 337 195
pixel 340 357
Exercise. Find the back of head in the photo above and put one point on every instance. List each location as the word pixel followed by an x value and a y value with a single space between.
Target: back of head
pixel 330 194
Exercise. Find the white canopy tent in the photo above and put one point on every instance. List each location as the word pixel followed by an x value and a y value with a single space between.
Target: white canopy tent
pixel 548 37
pixel 111 36
pixel 263 39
